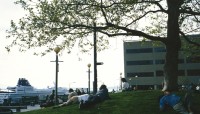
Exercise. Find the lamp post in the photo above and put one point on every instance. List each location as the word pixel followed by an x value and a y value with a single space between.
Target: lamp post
pixel 136 82
pixel 56 50
pixel 89 65
pixel 121 81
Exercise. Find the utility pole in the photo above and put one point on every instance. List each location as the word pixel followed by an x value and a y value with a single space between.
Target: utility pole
pixel 95 62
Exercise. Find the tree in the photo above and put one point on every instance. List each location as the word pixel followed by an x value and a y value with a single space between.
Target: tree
pixel 192 52
pixel 71 21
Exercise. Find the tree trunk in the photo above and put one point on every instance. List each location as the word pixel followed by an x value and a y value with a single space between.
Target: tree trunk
pixel 173 45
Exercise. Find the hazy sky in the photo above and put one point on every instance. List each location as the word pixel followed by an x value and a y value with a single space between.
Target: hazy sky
pixel 41 72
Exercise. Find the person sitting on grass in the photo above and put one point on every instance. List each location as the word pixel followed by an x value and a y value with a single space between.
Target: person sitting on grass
pixel 87 100
pixel 174 101
pixel 49 100
pixel 78 91
pixel 72 93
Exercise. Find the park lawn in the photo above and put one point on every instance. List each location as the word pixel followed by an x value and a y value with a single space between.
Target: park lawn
pixel 134 102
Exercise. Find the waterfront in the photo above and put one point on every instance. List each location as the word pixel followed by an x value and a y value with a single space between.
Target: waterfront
pixel 29 108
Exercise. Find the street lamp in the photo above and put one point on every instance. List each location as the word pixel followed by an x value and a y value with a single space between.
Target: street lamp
pixel 121 81
pixel 89 65
pixel 56 50
pixel 136 82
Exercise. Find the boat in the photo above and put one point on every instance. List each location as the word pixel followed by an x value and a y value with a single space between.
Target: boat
pixel 23 89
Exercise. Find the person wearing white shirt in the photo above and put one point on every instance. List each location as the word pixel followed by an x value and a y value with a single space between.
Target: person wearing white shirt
pixel 74 99
pixel 125 86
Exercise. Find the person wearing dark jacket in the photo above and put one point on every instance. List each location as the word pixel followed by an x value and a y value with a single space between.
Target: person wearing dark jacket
pixel 100 96
pixel 49 100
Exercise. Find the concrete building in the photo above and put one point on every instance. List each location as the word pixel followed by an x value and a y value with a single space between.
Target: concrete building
pixel 143 66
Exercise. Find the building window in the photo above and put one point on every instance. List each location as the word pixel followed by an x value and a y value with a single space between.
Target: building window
pixel 144 62
pixel 140 74
pixel 161 73
pixel 142 50
pixel 193 59
pixel 181 73
pixel 181 61
pixel 161 61
pixel 195 72
pixel 159 49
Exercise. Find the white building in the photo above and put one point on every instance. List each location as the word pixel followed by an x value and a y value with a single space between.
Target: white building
pixel 143 65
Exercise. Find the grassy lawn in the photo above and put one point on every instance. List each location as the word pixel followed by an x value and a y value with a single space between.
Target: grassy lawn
pixel 134 102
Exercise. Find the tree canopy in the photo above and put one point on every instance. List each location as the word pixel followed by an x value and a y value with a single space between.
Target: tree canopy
pixel 71 21
pixel 48 21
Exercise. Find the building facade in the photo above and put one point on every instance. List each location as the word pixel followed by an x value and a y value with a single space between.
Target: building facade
pixel 143 66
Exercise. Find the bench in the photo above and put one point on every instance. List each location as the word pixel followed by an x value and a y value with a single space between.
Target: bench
pixel 8 109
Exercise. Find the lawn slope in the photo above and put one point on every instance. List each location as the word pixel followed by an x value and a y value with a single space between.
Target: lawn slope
pixel 134 102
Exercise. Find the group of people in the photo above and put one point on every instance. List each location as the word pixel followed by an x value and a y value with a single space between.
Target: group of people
pixel 168 99
pixel 86 100
pixel 79 96
pixel 50 99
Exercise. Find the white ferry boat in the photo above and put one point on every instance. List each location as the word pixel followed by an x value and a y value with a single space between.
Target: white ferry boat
pixel 24 89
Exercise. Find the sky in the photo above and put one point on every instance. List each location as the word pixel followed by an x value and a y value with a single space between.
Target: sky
pixel 41 72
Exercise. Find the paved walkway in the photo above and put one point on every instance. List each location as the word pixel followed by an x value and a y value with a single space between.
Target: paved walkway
pixel 29 108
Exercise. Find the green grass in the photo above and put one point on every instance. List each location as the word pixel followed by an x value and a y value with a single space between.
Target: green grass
pixel 135 102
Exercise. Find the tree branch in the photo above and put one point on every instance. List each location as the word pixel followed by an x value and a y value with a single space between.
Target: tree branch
pixel 188 10
pixel 161 8
pixel 130 32
pixel 188 40
pixel 104 14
